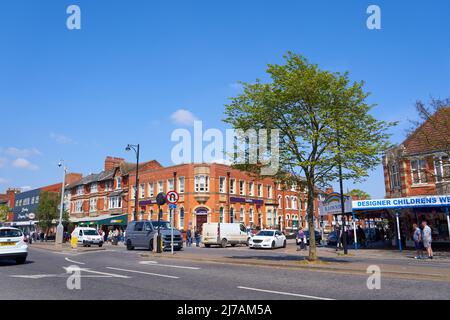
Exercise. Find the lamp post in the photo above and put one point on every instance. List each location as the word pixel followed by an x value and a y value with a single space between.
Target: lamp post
pixel 136 199
pixel 341 187
pixel 60 227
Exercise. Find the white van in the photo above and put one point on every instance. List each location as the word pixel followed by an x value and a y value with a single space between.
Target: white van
pixel 223 234
pixel 87 236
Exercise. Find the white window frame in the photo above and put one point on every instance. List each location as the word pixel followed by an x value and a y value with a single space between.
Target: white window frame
pixel 419 171
pixel 440 167
pixel 242 187
pixel 151 189
pixel 242 215
pixel 233 186
pixel 142 190
pixel 222 185
pixel 394 174
pixel 80 190
pixel 251 189
pixel 181 184
pixel 115 202
pixel 250 215
pixel 199 185
pixel 118 183
pixel 260 190
pixel 79 206
pixel 269 192
pixel 160 186
pixel 170 184
pixel 92 204
pixel 94 187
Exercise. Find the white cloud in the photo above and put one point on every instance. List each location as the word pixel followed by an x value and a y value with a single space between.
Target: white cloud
pixel 61 139
pixel 24 164
pixel 183 117
pixel 2 180
pixel 21 153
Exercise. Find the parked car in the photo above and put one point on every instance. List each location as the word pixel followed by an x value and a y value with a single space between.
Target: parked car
pixel 318 237
pixel 141 234
pixel 268 239
pixel 87 236
pixel 13 245
pixel 222 234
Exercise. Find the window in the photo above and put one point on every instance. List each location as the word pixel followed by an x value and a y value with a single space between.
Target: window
pixel 231 215
pixel 151 190
pixel 232 186
pixel 242 188
pixel 418 171
pixel 222 188
pixel 201 183
pixel 279 186
pixel 279 202
pixel 269 192
pixel 250 189
pixel 108 186
pixel 294 202
pixel 133 192
pixel 169 185
pixel 37 199
pixel 94 187
pixel 288 205
pixel 139 226
pixel 118 183
pixel 160 186
pixel 142 190
pixel 80 191
pixel 250 215
pixel 269 217
pixel 395 176
pixel 78 206
pixel 260 190
pixel 181 221
pixel 241 215
pixel 442 167
pixel 181 184
pixel 294 187
pixel 92 204
pixel 221 215
pixel 115 203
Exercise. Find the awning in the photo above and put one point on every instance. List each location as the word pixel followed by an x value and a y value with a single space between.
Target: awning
pixel 118 220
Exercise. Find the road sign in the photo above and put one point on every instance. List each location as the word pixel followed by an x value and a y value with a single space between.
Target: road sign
pixel 161 198
pixel 172 197
pixel 172 206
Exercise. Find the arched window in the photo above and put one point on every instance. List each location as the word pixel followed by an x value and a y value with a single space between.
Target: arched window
pixel 221 215
pixel 250 216
pixel 288 205
pixel 300 204
pixel 294 203
pixel 231 215
pixel 279 202
pixel 241 215
pixel 181 221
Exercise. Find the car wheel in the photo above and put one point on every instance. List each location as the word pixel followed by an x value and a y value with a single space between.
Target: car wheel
pixel 129 246
pixel 284 244
pixel 100 245
pixel 207 246
pixel 224 243
pixel 233 245
pixel 273 244
pixel 21 260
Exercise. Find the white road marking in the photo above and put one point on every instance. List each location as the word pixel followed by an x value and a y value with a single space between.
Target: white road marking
pixel 286 293
pixel 73 261
pixel 113 275
pixel 142 272
pixel 64 275
pixel 154 263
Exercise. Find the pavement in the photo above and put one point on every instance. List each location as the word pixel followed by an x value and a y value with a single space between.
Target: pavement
pixel 115 273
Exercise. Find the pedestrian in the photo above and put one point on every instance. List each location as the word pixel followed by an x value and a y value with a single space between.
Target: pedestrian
pixel 427 239
pixel 197 237
pixel 418 245
pixel 188 238
pixel 339 235
pixel 301 239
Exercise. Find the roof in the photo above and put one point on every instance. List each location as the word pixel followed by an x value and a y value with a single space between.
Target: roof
pixel 431 136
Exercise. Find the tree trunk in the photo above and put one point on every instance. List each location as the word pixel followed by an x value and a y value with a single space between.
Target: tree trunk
pixel 311 228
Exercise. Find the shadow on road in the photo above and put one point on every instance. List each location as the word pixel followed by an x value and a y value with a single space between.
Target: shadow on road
pixel 7 263
pixel 288 258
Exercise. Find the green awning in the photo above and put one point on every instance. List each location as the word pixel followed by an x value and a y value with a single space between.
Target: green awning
pixel 120 220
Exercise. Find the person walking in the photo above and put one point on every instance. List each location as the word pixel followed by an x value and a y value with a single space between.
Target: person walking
pixel 339 235
pixel 197 237
pixel 301 240
pixel 417 237
pixel 427 239
pixel 188 238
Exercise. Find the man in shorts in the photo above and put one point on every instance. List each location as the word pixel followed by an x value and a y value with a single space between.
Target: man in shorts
pixel 426 238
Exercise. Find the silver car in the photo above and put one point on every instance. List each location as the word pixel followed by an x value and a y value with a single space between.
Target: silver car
pixel 141 234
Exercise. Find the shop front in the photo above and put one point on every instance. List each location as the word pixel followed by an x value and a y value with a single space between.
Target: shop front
pixel 106 222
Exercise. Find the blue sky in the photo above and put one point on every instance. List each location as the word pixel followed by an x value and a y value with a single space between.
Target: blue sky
pixel 84 94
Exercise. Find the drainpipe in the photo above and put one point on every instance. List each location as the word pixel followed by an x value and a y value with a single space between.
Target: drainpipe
pixel 397 218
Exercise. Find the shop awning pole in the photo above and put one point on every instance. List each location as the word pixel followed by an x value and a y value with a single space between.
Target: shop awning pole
pixel 354 230
pixel 448 221
pixel 397 217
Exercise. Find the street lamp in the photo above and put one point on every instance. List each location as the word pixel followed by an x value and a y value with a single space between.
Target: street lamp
pixel 60 227
pixel 136 200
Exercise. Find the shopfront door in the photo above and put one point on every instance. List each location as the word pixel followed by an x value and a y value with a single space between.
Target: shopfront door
pixel 201 219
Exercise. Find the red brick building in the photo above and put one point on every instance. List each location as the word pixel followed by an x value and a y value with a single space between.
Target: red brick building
pixel 420 166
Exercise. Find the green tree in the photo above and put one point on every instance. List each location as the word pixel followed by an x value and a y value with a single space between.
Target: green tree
pixel 48 210
pixel 4 212
pixel 313 111
pixel 360 194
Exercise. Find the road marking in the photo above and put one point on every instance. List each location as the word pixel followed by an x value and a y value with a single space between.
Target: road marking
pixel 142 272
pixel 286 293
pixel 73 261
pixel 103 273
pixel 64 275
pixel 154 263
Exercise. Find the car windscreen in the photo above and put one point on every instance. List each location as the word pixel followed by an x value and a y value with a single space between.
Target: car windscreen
pixel 163 225
pixel 10 233
pixel 90 232
pixel 265 233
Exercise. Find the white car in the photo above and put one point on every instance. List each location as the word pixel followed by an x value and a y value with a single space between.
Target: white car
pixel 13 245
pixel 268 239
pixel 87 236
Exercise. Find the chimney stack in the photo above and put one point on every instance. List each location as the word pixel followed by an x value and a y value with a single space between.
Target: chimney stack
pixel 112 162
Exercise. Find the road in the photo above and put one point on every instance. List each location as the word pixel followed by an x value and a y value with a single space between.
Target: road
pixel 120 274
